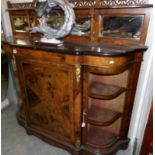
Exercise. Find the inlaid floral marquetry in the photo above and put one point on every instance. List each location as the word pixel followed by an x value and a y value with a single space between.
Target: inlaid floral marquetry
pixel 34 99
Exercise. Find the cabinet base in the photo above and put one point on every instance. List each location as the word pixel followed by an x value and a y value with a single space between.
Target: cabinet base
pixel 122 144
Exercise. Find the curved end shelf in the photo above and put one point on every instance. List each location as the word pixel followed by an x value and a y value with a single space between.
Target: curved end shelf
pixel 119 144
pixel 99 137
pixel 104 91
pixel 102 117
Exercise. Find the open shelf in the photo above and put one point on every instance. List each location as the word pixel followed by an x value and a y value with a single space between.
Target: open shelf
pixel 100 116
pixel 99 137
pixel 104 91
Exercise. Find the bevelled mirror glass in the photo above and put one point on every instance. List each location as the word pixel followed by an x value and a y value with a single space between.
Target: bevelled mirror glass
pixel 20 23
pixel 122 26
pixel 23 23
pixel 56 18
pixel 82 26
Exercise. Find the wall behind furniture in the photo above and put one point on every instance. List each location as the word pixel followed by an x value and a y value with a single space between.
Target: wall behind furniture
pixel 5 20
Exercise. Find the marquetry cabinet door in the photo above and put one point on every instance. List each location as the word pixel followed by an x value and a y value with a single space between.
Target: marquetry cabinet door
pixel 48 99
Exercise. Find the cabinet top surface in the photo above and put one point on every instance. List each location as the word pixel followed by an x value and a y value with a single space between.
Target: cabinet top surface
pixel 75 48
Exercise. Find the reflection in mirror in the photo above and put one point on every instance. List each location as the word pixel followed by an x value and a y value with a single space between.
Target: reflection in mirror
pixel 32 21
pixel 23 24
pixel 20 23
pixel 55 19
pixel 125 26
pixel 82 26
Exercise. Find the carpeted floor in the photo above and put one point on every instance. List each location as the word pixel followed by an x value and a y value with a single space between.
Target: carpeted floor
pixel 15 141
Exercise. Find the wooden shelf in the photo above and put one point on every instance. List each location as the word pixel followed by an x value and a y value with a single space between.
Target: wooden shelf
pixel 99 137
pixel 104 91
pixel 102 117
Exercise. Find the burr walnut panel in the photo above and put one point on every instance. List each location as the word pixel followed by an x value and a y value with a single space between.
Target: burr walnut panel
pixel 50 97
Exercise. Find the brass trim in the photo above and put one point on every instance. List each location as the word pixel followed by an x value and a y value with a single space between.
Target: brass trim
pixel 14 62
pixel 77 143
pixel 78 73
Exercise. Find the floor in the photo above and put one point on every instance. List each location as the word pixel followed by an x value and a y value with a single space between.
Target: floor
pixel 15 141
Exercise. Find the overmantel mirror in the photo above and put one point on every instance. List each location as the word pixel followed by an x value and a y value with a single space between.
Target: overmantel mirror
pixel 82 26
pixel 96 20
pixel 22 17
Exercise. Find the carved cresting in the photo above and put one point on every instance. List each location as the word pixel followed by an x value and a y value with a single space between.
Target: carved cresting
pixel 121 2
pixel 78 73
pixel 99 3
pixel 22 5
pixel 83 3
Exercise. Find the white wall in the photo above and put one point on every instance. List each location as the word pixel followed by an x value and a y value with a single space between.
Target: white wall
pixel 5 19
pixel 11 94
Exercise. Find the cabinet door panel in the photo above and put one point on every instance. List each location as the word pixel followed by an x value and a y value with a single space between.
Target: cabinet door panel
pixel 49 93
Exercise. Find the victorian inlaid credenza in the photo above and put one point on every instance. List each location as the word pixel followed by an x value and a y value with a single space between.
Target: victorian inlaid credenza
pixel 79 95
